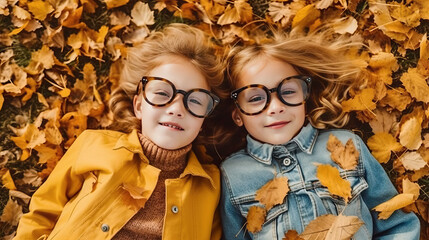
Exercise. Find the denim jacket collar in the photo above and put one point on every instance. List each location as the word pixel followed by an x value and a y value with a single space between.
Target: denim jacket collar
pixel 262 152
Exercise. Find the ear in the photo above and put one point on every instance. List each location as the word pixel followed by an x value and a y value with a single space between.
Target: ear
pixel 236 117
pixel 137 105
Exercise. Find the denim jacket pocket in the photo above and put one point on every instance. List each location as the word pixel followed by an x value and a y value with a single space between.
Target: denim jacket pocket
pixel 273 220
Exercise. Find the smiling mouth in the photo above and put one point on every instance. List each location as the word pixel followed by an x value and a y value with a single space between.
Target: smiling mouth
pixel 172 125
pixel 277 124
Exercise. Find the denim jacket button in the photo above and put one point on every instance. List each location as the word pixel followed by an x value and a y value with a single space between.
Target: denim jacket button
pixel 286 162
pixel 105 228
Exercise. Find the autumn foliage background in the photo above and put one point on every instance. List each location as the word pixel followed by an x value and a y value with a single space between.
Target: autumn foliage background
pixel 60 59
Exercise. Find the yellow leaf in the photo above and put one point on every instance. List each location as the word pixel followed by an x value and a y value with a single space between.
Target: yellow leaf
pixel 115 3
pixel 361 101
pixel 40 9
pixel 305 16
pixel 255 219
pixel 397 98
pixel 21 13
pixel 18 30
pixel 7 180
pixel 273 192
pixel 330 177
pixel 1 100
pixel 45 153
pixel 416 85
pixel 102 32
pixel 411 188
pixel 412 161
pixel 384 60
pixel 230 16
pixel 65 92
pixel 73 19
pixel 40 60
pixel 381 145
pixel 410 135
pixel 25 154
pixel 31 138
pixel 345 25
pixel 318 228
pixel 141 14
pixel 346 156
pixel 409 15
pixel 344 227
pixel 397 202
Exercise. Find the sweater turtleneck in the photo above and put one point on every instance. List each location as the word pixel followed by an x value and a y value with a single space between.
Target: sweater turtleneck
pixel 148 222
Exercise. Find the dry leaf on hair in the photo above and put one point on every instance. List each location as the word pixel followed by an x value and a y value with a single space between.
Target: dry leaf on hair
pixel 346 156
pixel 330 177
pixel 255 219
pixel 382 145
pixel 273 192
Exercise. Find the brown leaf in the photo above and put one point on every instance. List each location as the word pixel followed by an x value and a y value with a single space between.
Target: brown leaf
pixel 330 177
pixel 292 235
pixel 12 212
pixel 255 219
pixel 397 98
pixel 346 156
pixel 332 227
pixel 410 135
pixel 273 192
pixel 416 85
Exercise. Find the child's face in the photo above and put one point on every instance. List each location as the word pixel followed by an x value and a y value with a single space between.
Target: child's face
pixel 171 126
pixel 278 123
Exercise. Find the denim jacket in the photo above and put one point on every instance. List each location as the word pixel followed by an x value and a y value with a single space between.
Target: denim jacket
pixel 244 172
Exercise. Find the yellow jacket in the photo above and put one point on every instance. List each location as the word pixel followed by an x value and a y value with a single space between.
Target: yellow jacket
pixel 104 179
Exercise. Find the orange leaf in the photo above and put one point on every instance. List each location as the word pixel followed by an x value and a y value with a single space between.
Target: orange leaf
pixel 255 219
pixel 6 179
pixel 416 85
pixel 381 145
pixel 305 16
pixel 292 235
pixel 361 101
pixel 40 9
pixel 346 156
pixel 115 3
pixel 330 177
pixel 273 192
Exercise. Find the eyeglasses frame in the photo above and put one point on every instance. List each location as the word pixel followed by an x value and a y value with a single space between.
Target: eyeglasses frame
pixel 146 79
pixel 306 79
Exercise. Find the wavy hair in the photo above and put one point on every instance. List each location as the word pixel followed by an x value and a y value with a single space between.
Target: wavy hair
pixel 174 40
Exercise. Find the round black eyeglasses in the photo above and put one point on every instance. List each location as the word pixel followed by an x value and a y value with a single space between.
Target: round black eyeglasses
pixel 255 98
pixel 160 92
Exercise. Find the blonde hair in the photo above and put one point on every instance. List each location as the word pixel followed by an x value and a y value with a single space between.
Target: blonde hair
pixel 333 74
pixel 174 40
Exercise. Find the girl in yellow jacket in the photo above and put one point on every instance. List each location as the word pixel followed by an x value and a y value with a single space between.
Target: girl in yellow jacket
pixel 142 182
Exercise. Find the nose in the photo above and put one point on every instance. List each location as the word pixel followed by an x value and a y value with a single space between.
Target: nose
pixel 275 106
pixel 176 107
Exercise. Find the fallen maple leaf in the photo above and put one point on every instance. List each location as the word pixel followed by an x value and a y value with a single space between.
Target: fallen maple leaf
pixel 346 156
pixel 255 219
pixel 410 134
pixel 273 192
pixel 382 144
pixel 329 177
pixel 412 161
pixel 332 227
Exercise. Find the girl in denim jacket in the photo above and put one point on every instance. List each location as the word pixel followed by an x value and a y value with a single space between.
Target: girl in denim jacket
pixel 287 95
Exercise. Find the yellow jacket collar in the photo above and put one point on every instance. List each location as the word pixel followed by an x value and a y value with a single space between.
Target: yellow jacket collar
pixel 131 142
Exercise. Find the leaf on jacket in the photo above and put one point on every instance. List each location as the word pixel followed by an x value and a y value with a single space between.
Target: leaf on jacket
pixel 346 156
pixel 412 161
pixel 329 177
pixel 332 227
pixel 255 218
pixel 361 101
pixel 410 134
pixel 382 144
pixel 273 192
pixel 292 235
pixel 399 201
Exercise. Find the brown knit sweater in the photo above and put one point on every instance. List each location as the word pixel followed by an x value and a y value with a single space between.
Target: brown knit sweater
pixel 148 222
